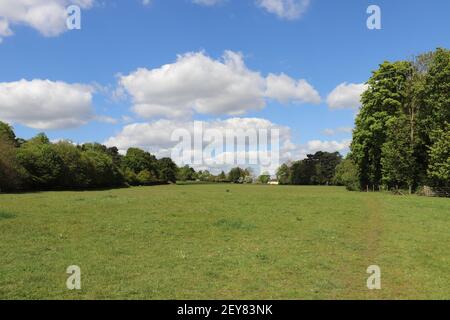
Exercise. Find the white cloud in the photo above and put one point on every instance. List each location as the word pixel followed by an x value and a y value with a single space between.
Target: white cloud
pixel 106 119
pixel 346 95
pixel 285 89
pixel 46 16
pixel 196 83
pixel 285 9
pixel 43 104
pixel 155 137
pixel 207 2
pixel 333 132
pixel 329 146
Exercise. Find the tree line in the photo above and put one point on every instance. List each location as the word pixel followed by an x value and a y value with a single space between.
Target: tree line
pixel 38 164
pixel 316 169
pixel 401 138
pixel 402 134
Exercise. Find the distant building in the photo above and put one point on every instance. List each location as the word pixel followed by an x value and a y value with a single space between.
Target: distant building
pixel 273 182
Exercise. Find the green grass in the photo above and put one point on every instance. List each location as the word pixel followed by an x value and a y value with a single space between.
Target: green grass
pixel 224 242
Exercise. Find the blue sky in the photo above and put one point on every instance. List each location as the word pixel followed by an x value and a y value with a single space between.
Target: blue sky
pixel 326 45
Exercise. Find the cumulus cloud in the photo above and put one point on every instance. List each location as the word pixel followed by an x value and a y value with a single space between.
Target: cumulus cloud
pixel 285 9
pixel 207 2
pixel 346 95
pixel 156 137
pixel 329 146
pixel 196 83
pixel 44 104
pixel 285 89
pixel 333 132
pixel 46 16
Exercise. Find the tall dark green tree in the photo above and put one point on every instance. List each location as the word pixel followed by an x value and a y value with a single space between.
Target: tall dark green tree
pixel 167 170
pixel 397 161
pixel 382 101
pixel 439 163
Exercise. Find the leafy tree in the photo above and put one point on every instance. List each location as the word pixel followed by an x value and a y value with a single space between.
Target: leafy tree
pixel 302 172
pixel 12 175
pixel 76 166
pixel 130 177
pixel 186 173
pixel 325 166
pixel 103 171
pixel 115 155
pixel 284 174
pixel 145 177
pixel 139 160
pixel 397 161
pixel 42 162
pixel 205 175
pixel 264 178
pixel 439 164
pixel 7 133
pixel 167 170
pixel 222 177
pixel 347 175
pixel 236 175
pixel 384 98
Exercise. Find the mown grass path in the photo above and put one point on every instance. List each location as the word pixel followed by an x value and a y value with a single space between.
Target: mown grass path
pixel 223 241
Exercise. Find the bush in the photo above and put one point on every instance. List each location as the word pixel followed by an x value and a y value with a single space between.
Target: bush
pixel 145 178
pixel 347 175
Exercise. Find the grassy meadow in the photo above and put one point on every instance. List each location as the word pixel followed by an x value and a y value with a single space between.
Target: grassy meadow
pixel 223 242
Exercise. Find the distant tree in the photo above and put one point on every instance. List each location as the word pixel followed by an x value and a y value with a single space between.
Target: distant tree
pixel 130 177
pixel 115 155
pixel 302 172
pixel 103 171
pixel 43 163
pixel 264 178
pixel 236 175
pixel 145 177
pixel 347 175
pixel 222 177
pixel 325 166
pixel 12 175
pixel 167 170
pixel 76 166
pixel 139 160
pixel 284 174
pixel 248 176
pixel 186 173
pixel 205 176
